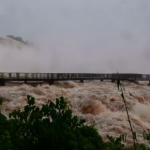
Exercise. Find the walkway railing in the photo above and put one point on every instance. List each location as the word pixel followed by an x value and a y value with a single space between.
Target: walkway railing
pixel 72 76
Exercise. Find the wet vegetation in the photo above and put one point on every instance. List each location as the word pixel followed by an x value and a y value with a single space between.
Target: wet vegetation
pixel 19 39
pixel 53 127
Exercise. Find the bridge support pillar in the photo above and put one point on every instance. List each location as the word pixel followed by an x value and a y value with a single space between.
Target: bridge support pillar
pixel 113 80
pixel 2 82
pixel 51 82
pixel 82 81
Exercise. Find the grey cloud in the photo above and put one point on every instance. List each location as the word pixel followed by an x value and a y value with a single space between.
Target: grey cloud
pixel 83 35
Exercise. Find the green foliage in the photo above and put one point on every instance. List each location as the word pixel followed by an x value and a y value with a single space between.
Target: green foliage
pixel 116 143
pixel 5 139
pixel 52 127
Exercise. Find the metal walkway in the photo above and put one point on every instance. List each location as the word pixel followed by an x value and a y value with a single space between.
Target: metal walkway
pixel 51 77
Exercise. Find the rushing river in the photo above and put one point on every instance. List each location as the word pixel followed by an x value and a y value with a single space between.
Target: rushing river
pixel 100 103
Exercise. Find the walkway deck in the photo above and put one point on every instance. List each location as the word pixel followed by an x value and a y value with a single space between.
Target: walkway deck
pixel 51 77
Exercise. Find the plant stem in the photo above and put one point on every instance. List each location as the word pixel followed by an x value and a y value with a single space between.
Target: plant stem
pixel 129 121
pixel 126 108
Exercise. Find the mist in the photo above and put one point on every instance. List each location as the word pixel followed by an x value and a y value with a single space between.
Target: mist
pixel 76 36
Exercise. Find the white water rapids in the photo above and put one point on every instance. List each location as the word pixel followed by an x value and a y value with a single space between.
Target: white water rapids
pixel 99 103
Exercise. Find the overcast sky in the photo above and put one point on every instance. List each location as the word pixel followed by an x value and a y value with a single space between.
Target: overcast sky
pixel 95 33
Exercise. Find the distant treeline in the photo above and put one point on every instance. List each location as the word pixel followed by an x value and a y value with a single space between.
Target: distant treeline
pixel 19 39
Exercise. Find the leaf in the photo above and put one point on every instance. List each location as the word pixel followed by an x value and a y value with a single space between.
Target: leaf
pixel 130 94
pixel 31 101
pixel 57 103
pixel 118 84
pixel 82 121
pixel 51 105
pixel 122 95
pixel 1 101
pixel 28 97
pixel 128 108
pixel 134 135
pixel 144 135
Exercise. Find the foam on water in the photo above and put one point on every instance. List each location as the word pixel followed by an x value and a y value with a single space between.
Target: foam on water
pixel 98 102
